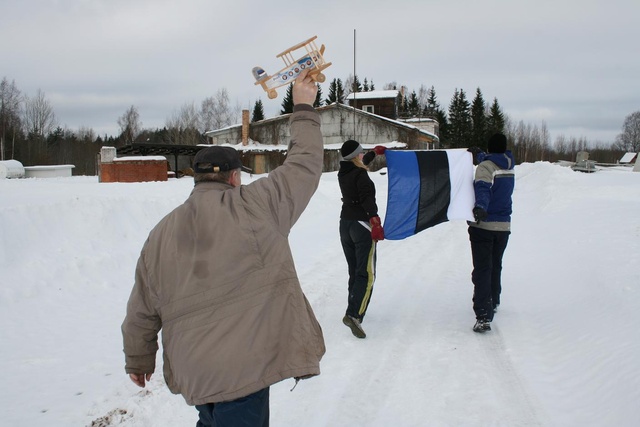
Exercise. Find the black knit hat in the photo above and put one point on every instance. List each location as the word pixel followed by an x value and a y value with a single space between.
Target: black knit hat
pixel 350 149
pixel 217 159
pixel 497 143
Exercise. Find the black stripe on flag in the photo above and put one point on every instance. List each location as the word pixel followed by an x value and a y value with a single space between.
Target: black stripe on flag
pixel 435 188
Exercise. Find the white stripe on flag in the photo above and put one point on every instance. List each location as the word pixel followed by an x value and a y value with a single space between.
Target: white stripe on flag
pixel 461 178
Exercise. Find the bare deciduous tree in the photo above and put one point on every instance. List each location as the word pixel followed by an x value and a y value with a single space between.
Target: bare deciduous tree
pixel 216 112
pixel 423 96
pixel 39 118
pixel 183 125
pixel 629 139
pixel 544 141
pixel 86 134
pixel 10 99
pixel 390 86
pixel 561 147
pixel 130 124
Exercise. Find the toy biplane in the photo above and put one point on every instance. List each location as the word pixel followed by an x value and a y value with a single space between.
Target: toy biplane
pixel 313 60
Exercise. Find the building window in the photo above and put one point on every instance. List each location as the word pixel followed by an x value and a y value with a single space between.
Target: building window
pixel 368 108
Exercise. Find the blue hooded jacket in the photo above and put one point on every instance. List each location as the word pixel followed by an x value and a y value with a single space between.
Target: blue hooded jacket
pixel 494 183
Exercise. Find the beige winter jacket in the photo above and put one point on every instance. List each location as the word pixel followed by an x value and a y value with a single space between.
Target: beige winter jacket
pixel 218 277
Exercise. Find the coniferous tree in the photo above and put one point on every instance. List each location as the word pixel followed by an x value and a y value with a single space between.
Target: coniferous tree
pixel 440 116
pixel 495 119
pixel 365 85
pixel 433 111
pixel 287 102
pixel 404 103
pixel 55 138
pixel 413 106
pixel 432 104
pixel 258 111
pixel 318 101
pixel 336 92
pixel 372 87
pixel 478 121
pixel 356 86
pixel 460 127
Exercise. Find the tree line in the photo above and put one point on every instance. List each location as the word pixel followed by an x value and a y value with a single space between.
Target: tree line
pixel 470 123
pixel 30 132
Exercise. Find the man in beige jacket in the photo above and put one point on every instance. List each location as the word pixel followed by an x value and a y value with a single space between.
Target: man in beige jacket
pixel 217 276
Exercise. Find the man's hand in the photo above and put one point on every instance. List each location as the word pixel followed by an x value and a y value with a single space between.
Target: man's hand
pixel 474 153
pixel 139 379
pixel 479 214
pixel 304 89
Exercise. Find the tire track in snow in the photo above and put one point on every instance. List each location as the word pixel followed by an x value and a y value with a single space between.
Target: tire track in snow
pixel 419 345
pixel 508 385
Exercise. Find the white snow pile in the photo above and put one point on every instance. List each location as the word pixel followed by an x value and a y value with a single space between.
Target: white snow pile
pixel 564 349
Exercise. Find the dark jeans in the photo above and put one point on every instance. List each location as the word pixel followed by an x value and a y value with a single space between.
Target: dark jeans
pixel 248 411
pixel 487 248
pixel 360 252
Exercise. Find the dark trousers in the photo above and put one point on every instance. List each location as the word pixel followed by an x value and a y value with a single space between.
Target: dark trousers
pixel 248 411
pixel 487 249
pixel 360 251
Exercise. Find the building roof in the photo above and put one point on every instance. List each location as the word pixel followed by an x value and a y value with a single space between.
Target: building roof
pixel 400 123
pixel 374 94
pixel 142 149
pixel 628 157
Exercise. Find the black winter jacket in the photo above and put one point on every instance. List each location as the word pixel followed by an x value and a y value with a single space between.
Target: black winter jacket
pixel 358 193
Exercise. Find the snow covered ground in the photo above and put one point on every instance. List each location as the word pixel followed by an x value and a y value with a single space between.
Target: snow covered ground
pixel 564 350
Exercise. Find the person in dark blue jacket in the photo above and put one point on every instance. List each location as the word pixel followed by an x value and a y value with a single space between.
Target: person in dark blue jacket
pixel 489 234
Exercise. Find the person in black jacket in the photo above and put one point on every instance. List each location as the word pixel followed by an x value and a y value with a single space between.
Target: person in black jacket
pixel 360 230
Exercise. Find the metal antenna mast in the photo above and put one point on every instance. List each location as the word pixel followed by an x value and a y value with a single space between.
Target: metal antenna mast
pixel 353 88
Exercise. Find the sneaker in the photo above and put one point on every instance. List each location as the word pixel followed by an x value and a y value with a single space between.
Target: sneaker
pixel 482 325
pixel 354 325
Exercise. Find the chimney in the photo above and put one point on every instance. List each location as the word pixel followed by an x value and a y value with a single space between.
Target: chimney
pixel 245 127
pixel 107 154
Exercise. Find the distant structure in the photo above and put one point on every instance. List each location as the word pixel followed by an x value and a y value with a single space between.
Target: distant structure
pixel 629 159
pixel 131 169
pixel 385 103
pixel 583 164
pixel 11 169
pixel 14 169
pixel 48 171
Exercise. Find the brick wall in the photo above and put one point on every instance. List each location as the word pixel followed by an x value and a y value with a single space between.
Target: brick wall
pixel 134 171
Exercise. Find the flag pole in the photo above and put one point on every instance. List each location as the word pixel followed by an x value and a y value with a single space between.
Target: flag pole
pixel 353 85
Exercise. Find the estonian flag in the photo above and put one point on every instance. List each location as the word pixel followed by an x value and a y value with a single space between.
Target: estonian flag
pixel 427 188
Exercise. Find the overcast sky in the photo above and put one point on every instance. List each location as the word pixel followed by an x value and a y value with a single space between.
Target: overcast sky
pixel 574 64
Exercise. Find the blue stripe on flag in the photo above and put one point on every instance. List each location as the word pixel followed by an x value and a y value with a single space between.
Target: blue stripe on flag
pixel 404 194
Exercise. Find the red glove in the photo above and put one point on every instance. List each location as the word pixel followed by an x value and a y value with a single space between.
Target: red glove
pixel 377 232
pixel 379 150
